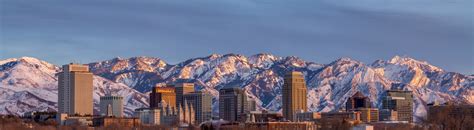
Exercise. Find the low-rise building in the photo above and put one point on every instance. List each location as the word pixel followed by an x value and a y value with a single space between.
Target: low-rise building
pixel 264 116
pixel 123 122
pixel 148 116
pixel 280 126
pixel 167 115
pixel 40 116
pixel 452 110
pixel 64 119
pixel 363 127
pixel 368 114
pixel 308 116
pixel 341 115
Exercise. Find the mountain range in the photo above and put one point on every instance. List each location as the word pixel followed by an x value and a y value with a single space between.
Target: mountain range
pixel 30 84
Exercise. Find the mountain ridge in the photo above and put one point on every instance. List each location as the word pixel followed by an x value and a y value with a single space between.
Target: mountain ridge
pixel 260 75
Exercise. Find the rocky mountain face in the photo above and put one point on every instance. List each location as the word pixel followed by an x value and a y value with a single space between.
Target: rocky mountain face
pixel 29 84
pixel 261 75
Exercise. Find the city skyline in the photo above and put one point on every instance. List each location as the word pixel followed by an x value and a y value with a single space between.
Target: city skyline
pixel 237 64
pixel 318 31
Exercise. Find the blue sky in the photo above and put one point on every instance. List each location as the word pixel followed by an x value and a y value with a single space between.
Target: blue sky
pixel 60 31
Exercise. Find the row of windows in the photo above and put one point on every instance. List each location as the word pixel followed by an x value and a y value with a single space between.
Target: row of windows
pixel 110 98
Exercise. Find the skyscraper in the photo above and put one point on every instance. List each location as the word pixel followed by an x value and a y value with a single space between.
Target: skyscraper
pixel 400 101
pixel 111 106
pixel 181 89
pixel 167 94
pixel 75 90
pixel 232 104
pixel 358 100
pixel 202 103
pixel 294 95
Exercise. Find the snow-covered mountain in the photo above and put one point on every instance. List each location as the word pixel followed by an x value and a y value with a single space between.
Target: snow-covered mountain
pixel 29 84
pixel 261 75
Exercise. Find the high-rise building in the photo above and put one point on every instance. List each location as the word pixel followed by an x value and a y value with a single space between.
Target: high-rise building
pixel 358 100
pixel 111 106
pixel 75 90
pixel 294 95
pixel 232 104
pixel 166 94
pixel 181 89
pixel 400 101
pixel 202 103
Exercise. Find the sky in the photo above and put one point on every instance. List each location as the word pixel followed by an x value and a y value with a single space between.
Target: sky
pixel 61 31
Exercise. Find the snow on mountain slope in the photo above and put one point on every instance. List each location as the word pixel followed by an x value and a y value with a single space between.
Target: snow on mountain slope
pixel 28 84
pixel 138 72
pixel 428 83
pixel 420 74
pixel 329 85
pixel 261 75
pixel 132 98
pixel 341 79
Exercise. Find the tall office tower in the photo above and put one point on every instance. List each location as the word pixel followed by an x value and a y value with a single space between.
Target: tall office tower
pixel 111 106
pixel 358 100
pixel 202 104
pixel 166 94
pixel 294 95
pixel 75 90
pixel 400 101
pixel 181 89
pixel 232 104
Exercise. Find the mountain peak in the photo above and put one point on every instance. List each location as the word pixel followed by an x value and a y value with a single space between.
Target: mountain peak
pixel 117 58
pixel 411 62
pixel 403 59
pixel 398 59
pixel 27 60
pixel 214 56
pixel 345 60
pixel 264 56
